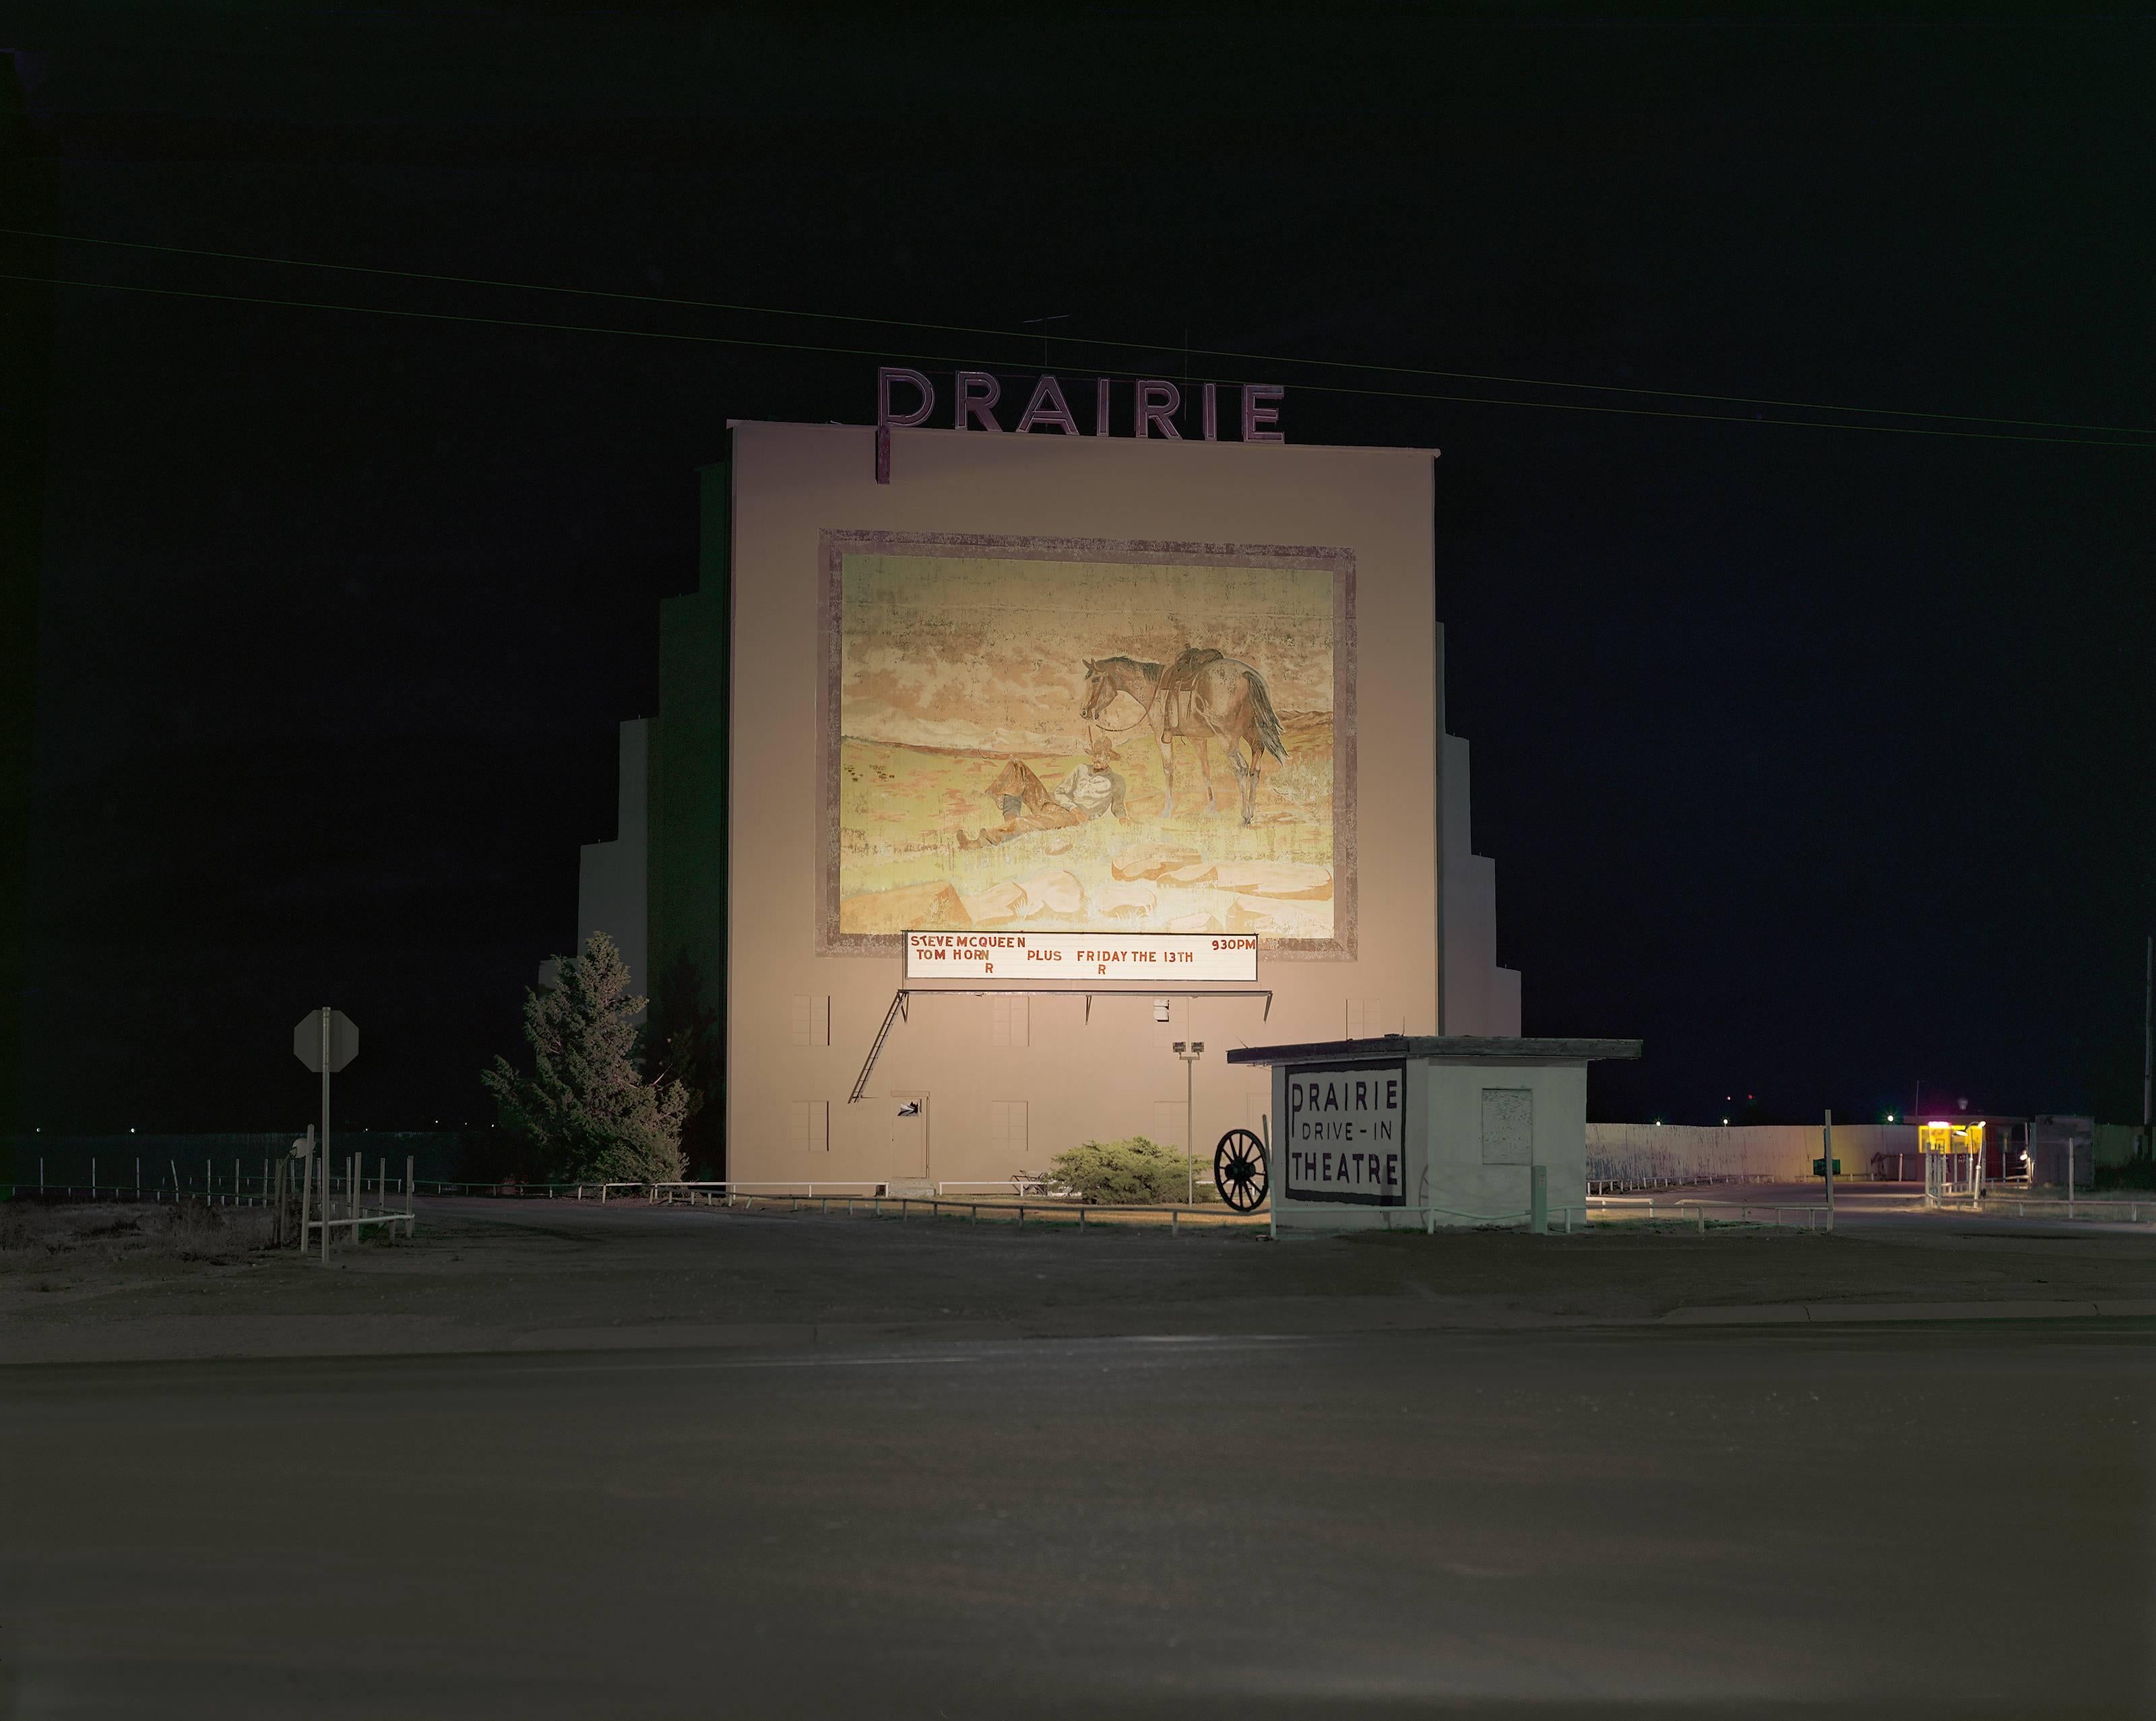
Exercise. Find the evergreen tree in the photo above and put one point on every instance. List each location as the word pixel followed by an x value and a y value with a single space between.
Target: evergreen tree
pixel 587 1109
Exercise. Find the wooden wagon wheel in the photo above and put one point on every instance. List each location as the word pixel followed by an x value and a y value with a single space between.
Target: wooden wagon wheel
pixel 1238 1169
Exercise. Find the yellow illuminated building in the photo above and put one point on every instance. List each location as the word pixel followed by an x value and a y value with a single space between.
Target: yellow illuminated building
pixel 1954 1158
pixel 1950 1138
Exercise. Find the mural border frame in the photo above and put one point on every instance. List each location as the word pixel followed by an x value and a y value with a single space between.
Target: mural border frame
pixel 834 543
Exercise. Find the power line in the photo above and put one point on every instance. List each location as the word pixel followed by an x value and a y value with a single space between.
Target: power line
pixel 1233 355
pixel 1560 406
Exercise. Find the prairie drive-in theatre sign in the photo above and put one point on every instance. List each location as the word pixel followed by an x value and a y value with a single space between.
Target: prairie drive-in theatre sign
pixel 1022 959
pixel 1155 403
pixel 1345 1133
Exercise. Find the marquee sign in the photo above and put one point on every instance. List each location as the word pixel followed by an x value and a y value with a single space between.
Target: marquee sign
pixel 1154 404
pixel 1344 1133
pixel 1033 958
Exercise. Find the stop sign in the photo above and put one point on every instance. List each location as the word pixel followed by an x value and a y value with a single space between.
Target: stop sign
pixel 311 1039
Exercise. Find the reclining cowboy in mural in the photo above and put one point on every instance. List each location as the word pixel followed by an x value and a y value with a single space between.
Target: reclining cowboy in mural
pixel 1092 788
pixel 1028 804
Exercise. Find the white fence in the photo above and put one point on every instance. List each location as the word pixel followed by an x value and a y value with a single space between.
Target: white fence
pixel 1812 1215
pixel 1649 1155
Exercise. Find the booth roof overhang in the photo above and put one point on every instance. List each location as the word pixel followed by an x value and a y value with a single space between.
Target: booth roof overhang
pixel 1464 1048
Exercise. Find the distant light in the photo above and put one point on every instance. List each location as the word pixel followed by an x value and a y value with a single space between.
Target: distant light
pixel 1890 1117
pixel 1725 1120
pixel 130 1129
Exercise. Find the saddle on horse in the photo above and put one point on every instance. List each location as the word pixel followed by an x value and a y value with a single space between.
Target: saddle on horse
pixel 1178 686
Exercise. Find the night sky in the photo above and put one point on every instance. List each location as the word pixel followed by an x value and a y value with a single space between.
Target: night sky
pixel 1821 757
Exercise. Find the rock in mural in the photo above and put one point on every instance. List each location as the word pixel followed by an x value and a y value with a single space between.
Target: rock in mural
pixel 1271 919
pixel 935 904
pixel 1152 860
pixel 1126 902
pixel 1056 893
pixel 997 904
pixel 1288 879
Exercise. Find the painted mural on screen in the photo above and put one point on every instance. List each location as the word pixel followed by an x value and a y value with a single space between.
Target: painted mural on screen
pixel 1086 736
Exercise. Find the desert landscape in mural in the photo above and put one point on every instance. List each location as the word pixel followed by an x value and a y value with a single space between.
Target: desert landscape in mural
pixel 998 761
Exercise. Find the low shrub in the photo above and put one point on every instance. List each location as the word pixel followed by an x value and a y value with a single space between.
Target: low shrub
pixel 1131 1170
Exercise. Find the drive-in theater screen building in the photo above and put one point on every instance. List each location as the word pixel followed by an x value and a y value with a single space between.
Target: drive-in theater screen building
pixel 1141 737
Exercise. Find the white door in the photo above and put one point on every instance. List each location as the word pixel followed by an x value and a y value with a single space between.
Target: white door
pixel 909 1135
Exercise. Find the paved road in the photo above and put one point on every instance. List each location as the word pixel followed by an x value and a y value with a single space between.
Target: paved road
pixel 1903 1521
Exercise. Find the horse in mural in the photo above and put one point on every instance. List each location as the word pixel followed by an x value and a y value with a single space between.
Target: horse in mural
pixel 1203 696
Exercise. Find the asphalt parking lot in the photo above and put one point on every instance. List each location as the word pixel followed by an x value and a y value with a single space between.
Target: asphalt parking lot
pixel 631 1461
pixel 1908 1520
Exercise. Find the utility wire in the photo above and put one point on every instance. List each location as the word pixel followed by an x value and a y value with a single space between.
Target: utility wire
pixel 1089 340
pixel 1562 406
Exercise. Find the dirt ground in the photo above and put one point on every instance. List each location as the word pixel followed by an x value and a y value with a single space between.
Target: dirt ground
pixel 85 1283
pixel 58 1245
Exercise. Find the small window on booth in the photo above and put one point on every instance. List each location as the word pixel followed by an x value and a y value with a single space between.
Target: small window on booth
pixel 1508 1125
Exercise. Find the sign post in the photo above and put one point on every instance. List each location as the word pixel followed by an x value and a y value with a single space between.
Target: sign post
pixel 2148 1044
pixel 1826 1154
pixel 326 1040
pixel 1190 1055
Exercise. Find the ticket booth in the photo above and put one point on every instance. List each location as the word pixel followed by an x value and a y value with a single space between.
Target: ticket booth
pixel 1952 1153
pixel 1429 1132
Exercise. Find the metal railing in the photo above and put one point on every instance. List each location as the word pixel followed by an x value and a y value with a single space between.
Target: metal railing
pixel 1744 1209
pixel 2102 1207
pixel 240 1190
pixel 666 1193
pixel 1621 1185
pixel 1523 1217
pixel 1084 1215
pixel 264 1189
pixel 317 1200
pixel 1048 1209
pixel 1035 1185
